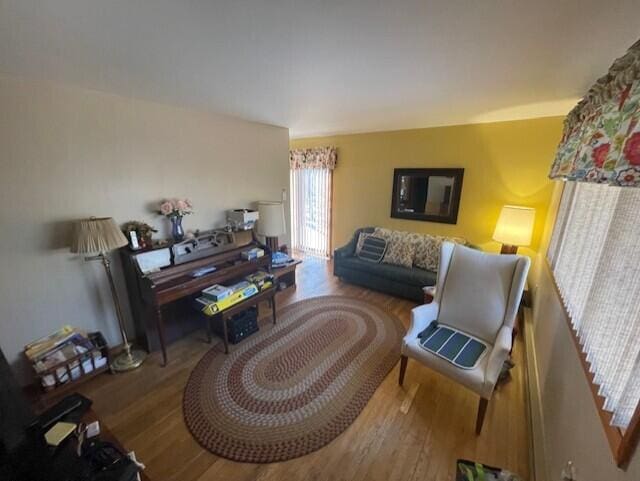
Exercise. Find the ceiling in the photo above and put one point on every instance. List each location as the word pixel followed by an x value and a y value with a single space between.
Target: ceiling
pixel 326 66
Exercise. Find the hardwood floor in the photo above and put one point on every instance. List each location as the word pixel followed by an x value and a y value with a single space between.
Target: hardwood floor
pixel 415 432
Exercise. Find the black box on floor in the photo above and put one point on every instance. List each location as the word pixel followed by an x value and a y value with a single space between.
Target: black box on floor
pixel 240 326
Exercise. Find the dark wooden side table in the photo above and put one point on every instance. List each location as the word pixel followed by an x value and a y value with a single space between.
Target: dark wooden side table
pixel 286 274
pixel 223 316
pixel 106 435
pixel 429 293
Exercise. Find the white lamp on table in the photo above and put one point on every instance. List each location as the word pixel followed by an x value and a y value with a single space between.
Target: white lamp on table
pixel 514 228
pixel 271 223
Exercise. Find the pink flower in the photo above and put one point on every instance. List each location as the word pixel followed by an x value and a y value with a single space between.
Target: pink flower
pixel 600 154
pixel 166 208
pixel 632 149
pixel 181 205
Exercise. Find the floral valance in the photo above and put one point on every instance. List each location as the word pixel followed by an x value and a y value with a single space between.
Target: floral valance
pixel 318 158
pixel 601 138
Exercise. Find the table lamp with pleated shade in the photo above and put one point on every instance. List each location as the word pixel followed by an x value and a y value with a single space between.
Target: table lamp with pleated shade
pixel 95 238
pixel 271 222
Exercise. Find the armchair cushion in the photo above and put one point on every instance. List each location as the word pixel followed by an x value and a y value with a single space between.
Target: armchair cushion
pixel 475 295
pixel 453 345
pixel 473 379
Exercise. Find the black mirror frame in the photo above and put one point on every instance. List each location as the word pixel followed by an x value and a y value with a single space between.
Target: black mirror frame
pixel 452 218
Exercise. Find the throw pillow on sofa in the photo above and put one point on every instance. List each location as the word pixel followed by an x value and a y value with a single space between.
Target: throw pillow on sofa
pixel 428 249
pixel 400 252
pixel 386 234
pixel 361 238
pixel 373 249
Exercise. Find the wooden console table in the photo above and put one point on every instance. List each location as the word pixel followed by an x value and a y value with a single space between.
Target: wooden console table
pixel 150 294
pixel 286 274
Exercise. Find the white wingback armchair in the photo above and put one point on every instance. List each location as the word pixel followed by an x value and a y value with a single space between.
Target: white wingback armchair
pixel 479 294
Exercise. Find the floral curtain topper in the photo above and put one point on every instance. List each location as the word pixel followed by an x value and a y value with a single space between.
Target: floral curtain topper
pixel 601 138
pixel 318 158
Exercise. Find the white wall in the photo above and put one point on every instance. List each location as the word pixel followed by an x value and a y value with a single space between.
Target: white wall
pixel 67 153
pixel 571 426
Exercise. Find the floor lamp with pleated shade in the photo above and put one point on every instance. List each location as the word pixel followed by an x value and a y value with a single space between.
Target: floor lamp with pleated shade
pixel 95 238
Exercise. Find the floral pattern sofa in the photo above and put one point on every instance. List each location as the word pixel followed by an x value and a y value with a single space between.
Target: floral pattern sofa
pixel 410 262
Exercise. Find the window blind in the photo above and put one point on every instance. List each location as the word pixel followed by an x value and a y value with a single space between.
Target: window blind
pixel 311 210
pixel 595 258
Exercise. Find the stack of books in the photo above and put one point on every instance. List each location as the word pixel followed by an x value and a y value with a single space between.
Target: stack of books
pixel 263 280
pixel 63 356
pixel 217 298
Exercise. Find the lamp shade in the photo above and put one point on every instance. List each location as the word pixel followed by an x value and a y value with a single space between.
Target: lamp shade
pixel 97 235
pixel 271 219
pixel 515 225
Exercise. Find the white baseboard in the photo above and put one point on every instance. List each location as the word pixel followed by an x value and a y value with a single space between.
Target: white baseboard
pixel 536 414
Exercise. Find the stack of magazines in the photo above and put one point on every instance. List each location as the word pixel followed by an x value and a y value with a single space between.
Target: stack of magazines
pixel 217 298
pixel 64 356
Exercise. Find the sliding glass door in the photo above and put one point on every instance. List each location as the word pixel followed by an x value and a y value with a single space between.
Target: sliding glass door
pixel 311 210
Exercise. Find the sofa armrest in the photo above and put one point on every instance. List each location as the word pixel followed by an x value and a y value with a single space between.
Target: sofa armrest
pixel 342 252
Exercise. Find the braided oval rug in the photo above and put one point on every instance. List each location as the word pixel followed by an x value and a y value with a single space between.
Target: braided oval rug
pixel 292 388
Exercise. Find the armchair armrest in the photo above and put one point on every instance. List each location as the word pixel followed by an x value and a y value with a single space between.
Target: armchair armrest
pixel 421 317
pixel 498 355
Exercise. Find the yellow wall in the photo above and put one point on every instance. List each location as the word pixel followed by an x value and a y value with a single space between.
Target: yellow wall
pixel 504 162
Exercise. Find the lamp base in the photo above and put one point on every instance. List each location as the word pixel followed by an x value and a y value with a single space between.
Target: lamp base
pixel 507 249
pixel 128 359
pixel 272 242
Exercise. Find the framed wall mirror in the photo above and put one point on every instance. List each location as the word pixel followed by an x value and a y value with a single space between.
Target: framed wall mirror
pixel 427 194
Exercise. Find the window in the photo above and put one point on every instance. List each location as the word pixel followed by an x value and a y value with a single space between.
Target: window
pixel 594 255
pixel 311 210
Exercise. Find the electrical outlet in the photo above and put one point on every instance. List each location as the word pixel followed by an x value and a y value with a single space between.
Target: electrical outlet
pixel 284 195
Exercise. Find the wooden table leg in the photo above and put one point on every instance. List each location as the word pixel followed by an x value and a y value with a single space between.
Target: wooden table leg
pixel 208 328
pixel 225 337
pixel 160 325
pixel 273 307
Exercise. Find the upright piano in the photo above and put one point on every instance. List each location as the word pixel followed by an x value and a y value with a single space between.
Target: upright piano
pixel 162 302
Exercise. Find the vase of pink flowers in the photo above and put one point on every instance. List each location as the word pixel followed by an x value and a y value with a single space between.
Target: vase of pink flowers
pixel 175 210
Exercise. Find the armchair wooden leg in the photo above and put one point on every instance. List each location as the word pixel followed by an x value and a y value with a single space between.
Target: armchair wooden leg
pixel 482 410
pixel 403 368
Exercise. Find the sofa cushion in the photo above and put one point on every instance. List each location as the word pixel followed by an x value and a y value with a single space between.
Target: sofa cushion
pixel 361 237
pixel 411 276
pixel 373 248
pixel 427 246
pixel 400 252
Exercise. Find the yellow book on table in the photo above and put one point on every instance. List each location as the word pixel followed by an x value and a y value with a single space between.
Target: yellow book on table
pixel 58 433
pixel 211 308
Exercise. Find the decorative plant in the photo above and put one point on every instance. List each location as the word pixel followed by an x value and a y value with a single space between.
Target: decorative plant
pixel 478 472
pixel 176 207
pixel 143 231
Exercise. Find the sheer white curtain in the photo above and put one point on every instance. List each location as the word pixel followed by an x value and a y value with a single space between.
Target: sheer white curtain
pixel 311 210
pixel 595 258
